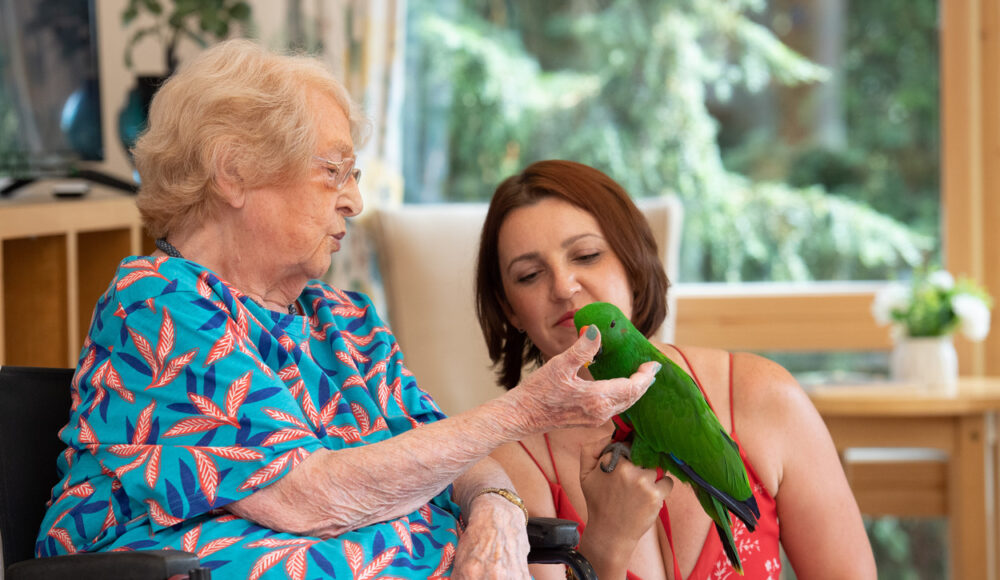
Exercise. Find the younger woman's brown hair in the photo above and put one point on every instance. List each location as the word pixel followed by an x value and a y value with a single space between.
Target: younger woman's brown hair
pixel 622 224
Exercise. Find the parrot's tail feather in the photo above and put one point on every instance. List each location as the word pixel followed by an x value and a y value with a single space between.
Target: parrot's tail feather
pixel 730 547
pixel 723 526
pixel 752 504
pixel 745 509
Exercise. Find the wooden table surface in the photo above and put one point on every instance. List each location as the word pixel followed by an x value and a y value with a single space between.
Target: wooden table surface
pixel 961 424
pixel 972 395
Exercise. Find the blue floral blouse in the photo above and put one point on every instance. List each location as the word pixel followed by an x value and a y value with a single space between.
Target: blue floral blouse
pixel 188 395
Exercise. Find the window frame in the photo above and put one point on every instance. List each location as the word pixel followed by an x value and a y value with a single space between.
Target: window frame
pixel 836 316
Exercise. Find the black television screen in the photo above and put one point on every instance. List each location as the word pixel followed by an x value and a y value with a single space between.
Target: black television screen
pixel 50 105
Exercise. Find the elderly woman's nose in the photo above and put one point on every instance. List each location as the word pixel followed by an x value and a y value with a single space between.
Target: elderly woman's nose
pixel 350 203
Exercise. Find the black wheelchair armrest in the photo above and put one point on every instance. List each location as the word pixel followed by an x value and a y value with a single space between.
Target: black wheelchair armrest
pixel 553 541
pixel 552 533
pixel 135 565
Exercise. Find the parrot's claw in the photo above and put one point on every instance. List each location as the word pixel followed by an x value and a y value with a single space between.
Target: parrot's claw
pixel 617 451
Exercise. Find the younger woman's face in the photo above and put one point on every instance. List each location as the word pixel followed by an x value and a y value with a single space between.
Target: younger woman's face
pixel 554 260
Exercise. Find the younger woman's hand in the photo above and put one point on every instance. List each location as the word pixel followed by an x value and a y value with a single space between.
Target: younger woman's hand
pixel 621 505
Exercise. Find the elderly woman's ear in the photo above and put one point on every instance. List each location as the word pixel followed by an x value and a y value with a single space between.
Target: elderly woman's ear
pixel 229 182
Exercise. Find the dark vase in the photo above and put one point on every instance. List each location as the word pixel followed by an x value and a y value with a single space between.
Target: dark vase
pixel 80 121
pixel 133 116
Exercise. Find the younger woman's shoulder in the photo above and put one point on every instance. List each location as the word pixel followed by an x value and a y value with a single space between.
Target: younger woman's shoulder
pixel 709 365
pixel 754 377
pixel 705 358
pixel 766 388
pixel 699 357
pixel 756 368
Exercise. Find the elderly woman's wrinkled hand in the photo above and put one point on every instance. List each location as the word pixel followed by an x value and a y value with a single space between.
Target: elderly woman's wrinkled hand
pixel 555 396
pixel 495 542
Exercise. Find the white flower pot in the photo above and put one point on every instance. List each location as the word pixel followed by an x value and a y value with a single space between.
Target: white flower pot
pixel 929 362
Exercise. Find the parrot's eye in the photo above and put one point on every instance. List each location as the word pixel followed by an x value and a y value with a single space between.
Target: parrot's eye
pixel 612 325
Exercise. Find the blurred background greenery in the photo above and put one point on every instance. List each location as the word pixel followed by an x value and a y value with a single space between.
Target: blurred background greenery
pixel 715 101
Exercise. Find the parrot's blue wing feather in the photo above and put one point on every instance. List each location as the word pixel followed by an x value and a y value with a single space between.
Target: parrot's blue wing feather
pixel 746 510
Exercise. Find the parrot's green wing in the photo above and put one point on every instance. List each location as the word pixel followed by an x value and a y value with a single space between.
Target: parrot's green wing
pixel 676 424
pixel 674 428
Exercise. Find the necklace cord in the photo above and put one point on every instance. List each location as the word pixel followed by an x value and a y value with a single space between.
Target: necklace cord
pixel 169 249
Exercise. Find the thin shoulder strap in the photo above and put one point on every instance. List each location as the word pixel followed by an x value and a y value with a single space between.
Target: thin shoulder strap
pixel 694 375
pixel 555 470
pixel 732 401
pixel 539 465
pixel 665 522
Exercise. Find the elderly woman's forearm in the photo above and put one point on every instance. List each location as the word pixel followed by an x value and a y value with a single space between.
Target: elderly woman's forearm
pixel 337 491
pixel 333 492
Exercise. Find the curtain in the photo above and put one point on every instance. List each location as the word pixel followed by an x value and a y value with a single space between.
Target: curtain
pixel 362 42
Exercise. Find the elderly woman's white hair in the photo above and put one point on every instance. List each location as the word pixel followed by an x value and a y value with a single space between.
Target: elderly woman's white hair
pixel 238 109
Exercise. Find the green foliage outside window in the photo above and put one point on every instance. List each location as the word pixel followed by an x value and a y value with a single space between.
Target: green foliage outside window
pixel 909 548
pixel 625 86
pixel 889 158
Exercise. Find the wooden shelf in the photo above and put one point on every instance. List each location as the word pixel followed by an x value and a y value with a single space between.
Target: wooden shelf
pixel 57 256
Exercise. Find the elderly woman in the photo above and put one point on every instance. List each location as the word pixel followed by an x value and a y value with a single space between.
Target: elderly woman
pixel 561 235
pixel 228 404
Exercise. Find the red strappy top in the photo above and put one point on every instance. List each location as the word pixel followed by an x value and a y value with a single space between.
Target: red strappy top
pixel 759 551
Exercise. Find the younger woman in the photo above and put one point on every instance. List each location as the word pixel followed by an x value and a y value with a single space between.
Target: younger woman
pixel 562 235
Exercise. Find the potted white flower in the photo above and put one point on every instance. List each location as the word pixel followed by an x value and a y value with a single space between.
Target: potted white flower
pixel 924 315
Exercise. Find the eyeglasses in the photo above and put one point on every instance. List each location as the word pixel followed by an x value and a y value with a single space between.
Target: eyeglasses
pixel 338 172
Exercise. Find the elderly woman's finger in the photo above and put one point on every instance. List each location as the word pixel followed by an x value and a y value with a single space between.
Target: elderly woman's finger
pixel 643 378
pixel 586 346
pixel 555 397
pixel 634 387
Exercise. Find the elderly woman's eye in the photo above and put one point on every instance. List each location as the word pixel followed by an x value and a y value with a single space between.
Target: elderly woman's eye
pixel 588 257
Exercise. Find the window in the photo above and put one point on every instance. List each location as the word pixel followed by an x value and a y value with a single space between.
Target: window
pixel 647 91
pixel 789 171
pixel 858 150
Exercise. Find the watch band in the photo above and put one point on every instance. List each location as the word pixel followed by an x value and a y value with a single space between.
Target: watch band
pixel 507 495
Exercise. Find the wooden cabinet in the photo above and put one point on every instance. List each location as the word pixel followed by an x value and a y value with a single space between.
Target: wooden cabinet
pixel 57 257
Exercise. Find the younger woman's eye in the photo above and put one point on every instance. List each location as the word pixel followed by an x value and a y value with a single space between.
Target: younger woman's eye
pixel 524 278
pixel 588 257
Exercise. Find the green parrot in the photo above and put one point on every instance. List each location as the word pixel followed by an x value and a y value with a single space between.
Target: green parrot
pixel 672 426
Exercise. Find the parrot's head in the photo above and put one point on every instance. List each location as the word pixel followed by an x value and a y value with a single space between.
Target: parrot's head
pixel 613 325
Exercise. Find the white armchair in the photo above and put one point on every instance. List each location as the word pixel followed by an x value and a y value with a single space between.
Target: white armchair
pixel 427 256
